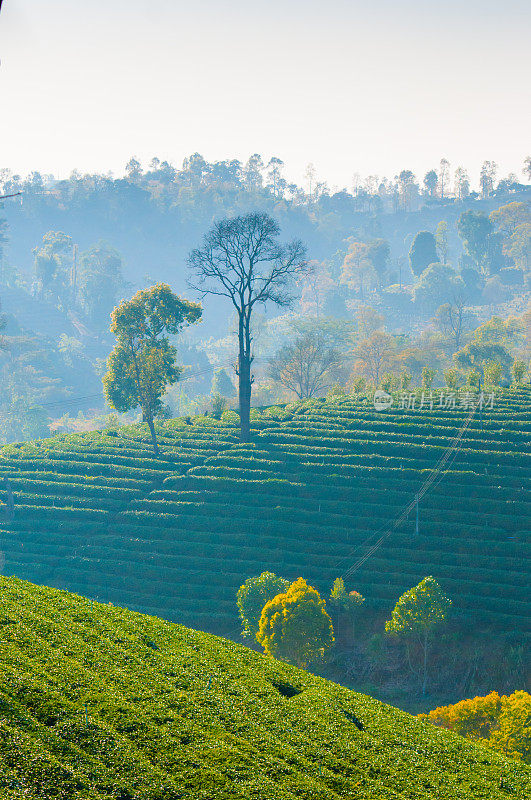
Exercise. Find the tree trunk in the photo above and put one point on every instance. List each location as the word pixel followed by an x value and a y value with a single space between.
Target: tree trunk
pixel 425 668
pixel 244 376
pixel 151 426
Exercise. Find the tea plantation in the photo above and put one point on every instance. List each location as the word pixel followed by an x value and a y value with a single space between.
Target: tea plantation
pixel 176 535
pixel 101 702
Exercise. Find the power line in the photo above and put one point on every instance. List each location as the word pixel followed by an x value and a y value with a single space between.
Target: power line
pixel 71 401
pixel 404 514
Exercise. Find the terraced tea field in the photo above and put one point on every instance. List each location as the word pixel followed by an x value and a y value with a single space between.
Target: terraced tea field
pixel 100 703
pixel 176 535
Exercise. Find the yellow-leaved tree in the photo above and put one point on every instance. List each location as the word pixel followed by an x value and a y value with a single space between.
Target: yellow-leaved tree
pixel 503 722
pixel 295 626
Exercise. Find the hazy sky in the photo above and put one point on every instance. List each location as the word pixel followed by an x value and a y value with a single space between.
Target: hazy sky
pixel 370 87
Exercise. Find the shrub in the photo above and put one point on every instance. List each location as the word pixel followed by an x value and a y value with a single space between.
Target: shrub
pixel 219 404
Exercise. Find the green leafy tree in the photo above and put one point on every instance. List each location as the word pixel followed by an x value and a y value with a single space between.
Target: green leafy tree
pixel 54 260
pixel 378 255
pixel 437 284
pixel 295 626
pixel 477 354
pixel 430 182
pixel 142 363
pixel 405 380
pixel 481 243
pixel 219 404
pixel 71 348
pixel 518 370
pixel 357 271
pixel 441 241
pixel 428 376
pixel 252 597
pixel 423 252
pixel 99 281
pixel 473 379
pixel 388 381
pixel 346 603
pixel 222 384
pixel 451 378
pixel 418 613
pixel 493 373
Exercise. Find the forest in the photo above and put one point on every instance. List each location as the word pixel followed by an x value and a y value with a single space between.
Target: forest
pixel 409 277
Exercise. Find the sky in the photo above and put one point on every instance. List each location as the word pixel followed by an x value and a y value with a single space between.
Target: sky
pixel 369 87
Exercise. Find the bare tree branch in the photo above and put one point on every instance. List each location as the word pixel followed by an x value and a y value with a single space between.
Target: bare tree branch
pixel 242 259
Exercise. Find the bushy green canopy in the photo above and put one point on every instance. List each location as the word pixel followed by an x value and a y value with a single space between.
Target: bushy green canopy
pixel 253 595
pixel 420 609
pixel 142 363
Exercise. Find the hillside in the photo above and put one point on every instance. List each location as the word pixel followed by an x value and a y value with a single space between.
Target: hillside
pixel 100 702
pixel 176 535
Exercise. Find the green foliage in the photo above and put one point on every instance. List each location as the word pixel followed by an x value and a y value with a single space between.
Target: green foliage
pixel 142 362
pixel 343 600
pixel 100 703
pixel 418 612
pixel 420 609
pixel 219 404
pixel 405 380
pixel 493 373
pixel 423 252
pixel 428 376
pixel 53 264
pixel 478 355
pixel 223 385
pixel 100 279
pixel 518 370
pixel 482 245
pixel 177 534
pixel 295 627
pixel 473 379
pixel 252 597
pixel 388 381
pixel 437 284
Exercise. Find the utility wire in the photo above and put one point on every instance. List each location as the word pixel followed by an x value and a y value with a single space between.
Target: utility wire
pixel 428 483
pixel 69 401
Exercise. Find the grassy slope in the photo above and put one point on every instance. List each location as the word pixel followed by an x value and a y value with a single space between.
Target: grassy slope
pixel 101 702
pixel 176 536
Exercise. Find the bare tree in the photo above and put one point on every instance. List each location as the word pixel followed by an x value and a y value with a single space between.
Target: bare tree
pixel 376 354
pixel 307 367
pixel 451 318
pixel 444 174
pixel 241 259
